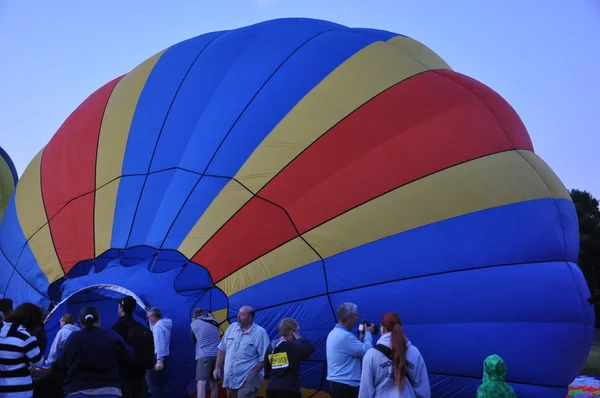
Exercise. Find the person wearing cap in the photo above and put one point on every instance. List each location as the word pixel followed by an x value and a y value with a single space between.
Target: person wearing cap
pixel 133 382
pixel 205 333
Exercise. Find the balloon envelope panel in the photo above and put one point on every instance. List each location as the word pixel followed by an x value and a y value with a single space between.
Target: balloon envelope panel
pixel 296 164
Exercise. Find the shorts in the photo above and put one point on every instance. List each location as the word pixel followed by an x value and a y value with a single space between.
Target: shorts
pixel 204 368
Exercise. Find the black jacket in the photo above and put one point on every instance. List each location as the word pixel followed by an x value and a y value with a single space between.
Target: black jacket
pixel 122 327
pixel 287 378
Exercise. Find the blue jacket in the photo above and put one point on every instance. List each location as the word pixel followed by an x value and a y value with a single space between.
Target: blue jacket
pixel 93 358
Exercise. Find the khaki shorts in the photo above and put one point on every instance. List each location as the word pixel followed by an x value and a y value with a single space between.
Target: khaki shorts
pixel 204 368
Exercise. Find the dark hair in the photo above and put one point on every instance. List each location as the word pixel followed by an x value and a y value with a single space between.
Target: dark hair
pixel 6 306
pixel 29 315
pixel 88 316
pixel 391 322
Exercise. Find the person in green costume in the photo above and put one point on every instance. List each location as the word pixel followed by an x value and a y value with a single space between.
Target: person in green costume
pixel 494 376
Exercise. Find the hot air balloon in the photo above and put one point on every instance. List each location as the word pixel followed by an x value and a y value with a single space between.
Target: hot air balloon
pixel 8 180
pixel 297 164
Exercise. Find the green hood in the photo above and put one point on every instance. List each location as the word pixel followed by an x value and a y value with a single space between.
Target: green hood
pixel 494 376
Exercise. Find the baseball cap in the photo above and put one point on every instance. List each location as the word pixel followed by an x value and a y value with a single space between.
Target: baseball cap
pixel 128 303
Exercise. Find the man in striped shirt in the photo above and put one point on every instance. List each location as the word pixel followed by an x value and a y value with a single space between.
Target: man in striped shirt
pixel 205 333
pixel 18 350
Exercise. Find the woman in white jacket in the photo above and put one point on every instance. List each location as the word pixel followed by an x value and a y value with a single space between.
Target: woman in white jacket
pixel 67 326
pixel 394 368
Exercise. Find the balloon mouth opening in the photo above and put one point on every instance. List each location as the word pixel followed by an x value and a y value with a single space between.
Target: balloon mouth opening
pixel 100 293
pixel 148 274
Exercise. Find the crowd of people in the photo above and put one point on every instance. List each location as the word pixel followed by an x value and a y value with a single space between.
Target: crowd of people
pixel 129 359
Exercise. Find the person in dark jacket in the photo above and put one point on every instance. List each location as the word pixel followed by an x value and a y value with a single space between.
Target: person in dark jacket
pixel 93 357
pixel 51 385
pixel 282 361
pixel 133 380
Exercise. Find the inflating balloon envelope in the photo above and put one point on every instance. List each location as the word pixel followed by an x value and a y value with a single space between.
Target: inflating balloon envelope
pixel 297 164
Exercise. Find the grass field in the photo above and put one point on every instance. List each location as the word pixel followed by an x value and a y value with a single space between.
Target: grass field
pixel 592 366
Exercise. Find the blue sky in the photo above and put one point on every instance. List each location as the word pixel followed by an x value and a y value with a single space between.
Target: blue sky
pixel 541 56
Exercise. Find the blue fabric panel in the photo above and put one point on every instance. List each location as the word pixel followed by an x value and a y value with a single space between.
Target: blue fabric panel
pixel 519 233
pixel 570 225
pixel 307 281
pixel 456 386
pixel 313 374
pixel 151 111
pixel 304 70
pixel 11 234
pixel 314 316
pixel 6 271
pixel 162 198
pixel 198 90
pixel 18 253
pixel 273 44
pixel 21 291
pixel 167 260
pixel 130 190
pixel 156 99
pixel 477 309
pixel 192 277
pixel 201 197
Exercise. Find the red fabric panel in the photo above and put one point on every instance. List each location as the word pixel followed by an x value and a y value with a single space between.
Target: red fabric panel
pixel 418 127
pixel 506 116
pixel 68 171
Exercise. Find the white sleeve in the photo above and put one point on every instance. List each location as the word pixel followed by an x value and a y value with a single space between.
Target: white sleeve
pixel 53 354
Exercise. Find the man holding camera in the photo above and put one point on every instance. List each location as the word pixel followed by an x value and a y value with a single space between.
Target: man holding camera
pixel 345 352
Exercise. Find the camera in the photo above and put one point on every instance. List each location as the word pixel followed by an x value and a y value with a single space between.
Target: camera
pixel 363 325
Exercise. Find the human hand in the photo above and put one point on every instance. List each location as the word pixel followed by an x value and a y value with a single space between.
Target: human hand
pixel 371 329
pixel 296 335
pixel 217 374
pixel 159 365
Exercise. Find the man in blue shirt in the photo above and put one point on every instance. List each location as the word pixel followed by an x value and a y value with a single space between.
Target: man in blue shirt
pixel 240 358
pixel 345 352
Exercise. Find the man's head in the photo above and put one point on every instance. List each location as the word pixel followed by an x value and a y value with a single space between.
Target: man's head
pixel 347 315
pixel 154 315
pixel 126 305
pixel 198 312
pixel 245 316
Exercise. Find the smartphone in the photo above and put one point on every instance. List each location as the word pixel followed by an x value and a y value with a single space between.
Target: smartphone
pixel 361 327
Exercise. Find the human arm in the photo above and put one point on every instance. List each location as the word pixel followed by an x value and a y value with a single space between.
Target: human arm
pixel 305 347
pixel 68 352
pixel 367 378
pixel 261 347
pixel 354 347
pixel 32 351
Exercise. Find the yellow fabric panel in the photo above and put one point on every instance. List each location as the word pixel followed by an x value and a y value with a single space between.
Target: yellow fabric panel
pixel 7 186
pixel 111 148
pixel 555 186
pixel 221 316
pixel 420 52
pixel 484 183
pixel 292 255
pixel 33 221
pixel 369 72
pixel 364 75
pixel 491 181
pixel 231 198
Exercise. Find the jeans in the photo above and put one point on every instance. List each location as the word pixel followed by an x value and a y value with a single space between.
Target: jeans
pixel 156 380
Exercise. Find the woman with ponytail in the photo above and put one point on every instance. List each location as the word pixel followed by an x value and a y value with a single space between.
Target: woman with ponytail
pixel 394 368
pixel 93 357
